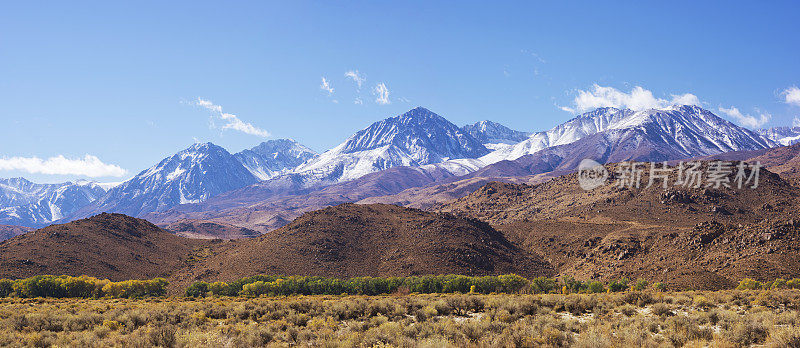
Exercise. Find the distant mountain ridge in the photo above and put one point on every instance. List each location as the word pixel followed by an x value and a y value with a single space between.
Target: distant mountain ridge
pixel 782 135
pixel 25 203
pixel 688 130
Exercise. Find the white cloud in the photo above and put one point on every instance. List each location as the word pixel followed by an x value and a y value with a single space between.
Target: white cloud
pixel 796 122
pixel 326 86
pixel 637 99
pixel 403 100
pixel 381 94
pixel 746 120
pixel 357 77
pixel 89 165
pixel 685 99
pixel 567 109
pixel 358 101
pixel 231 121
pixel 791 95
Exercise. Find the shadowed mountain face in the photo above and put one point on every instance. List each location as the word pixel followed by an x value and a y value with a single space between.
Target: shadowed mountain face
pixel 357 240
pixel 9 231
pixel 112 246
pixel 689 237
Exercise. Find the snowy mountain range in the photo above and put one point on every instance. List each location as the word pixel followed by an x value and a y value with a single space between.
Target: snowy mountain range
pixel 274 157
pixel 688 130
pixel 29 204
pixel 782 135
pixel 418 138
pixel 493 135
pixel 415 138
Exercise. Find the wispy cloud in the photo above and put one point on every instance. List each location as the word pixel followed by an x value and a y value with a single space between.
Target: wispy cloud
pixel 791 95
pixel 326 86
pixel 358 101
pixel 89 165
pixel 381 93
pixel 637 99
pixel 796 122
pixel 746 120
pixel 534 55
pixel 231 121
pixel 357 77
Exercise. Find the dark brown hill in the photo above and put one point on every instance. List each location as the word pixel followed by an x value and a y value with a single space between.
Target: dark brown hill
pixel 209 230
pixel 359 240
pixel 112 246
pixel 698 237
pixel 783 160
pixel 9 231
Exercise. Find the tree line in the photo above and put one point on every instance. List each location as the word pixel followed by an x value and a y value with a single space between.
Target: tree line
pixel 276 285
pixel 81 287
pixel 273 285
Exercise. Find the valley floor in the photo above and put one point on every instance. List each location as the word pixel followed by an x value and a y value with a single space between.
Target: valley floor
pixel 721 319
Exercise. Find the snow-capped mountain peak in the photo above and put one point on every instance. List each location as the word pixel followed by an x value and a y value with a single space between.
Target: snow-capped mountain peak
pixel 193 175
pixel 694 130
pixel 274 157
pixel 492 133
pixel 415 138
pixel 782 135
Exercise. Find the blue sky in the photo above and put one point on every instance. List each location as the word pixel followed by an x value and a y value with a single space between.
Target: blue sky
pixel 120 81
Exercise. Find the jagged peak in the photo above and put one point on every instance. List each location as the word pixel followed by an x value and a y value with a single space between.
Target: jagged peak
pixel 418 115
pixel 203 147
pixel 280 144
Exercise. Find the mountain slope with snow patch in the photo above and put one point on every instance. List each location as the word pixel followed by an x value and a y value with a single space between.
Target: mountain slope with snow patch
pixel 274 157
pixel 190 176
pixel 691 130
pixel 29 204
pixel 418 137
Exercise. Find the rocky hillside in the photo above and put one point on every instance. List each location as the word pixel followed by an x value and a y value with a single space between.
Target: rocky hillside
pixel 358 240
pixel 112 246
pixel 200 229
pixel 690 237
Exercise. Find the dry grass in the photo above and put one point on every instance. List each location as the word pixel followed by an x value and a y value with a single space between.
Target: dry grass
pixel 718 319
